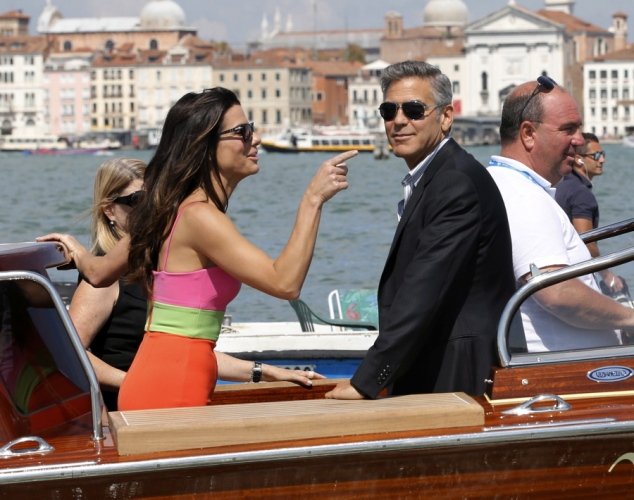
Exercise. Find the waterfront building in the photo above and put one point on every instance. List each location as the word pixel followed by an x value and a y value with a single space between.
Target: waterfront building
pixel 164 77
pixel 330 80
pixel 609 94
pixel 274 92
pixel 365 96
pixel 440 33
pixel 14 23
pixel 159 26
pixel 67 93
pixel 22 96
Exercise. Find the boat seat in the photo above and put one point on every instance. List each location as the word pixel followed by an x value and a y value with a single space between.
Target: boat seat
pixel 355 304
pixel 145 431
pixel 308 318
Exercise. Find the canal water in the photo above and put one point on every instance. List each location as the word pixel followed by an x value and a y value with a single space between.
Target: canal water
pixel 40 194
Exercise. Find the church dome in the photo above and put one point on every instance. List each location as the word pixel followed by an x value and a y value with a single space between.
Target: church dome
pixel 445 13
pixel 162 14
pixel 48 17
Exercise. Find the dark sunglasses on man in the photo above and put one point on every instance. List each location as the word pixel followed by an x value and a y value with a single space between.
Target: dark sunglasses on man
pixel 544 84
pixel 413 110
pixel 129 200
pixel 596 156
pixel 244 130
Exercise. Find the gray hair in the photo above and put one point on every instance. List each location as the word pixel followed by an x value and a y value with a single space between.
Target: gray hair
pixel 440 83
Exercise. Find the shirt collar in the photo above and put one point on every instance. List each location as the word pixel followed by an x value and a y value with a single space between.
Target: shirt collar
pixel 586 182
pixel 417 172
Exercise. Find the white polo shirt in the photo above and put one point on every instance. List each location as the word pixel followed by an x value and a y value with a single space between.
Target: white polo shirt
pixel 542 234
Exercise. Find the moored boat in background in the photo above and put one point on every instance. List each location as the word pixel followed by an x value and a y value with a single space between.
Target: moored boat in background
pixel 14 143
pixel 300 140
pixel 628 141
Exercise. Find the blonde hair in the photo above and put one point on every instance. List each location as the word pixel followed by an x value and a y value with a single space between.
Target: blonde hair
pixel 112 177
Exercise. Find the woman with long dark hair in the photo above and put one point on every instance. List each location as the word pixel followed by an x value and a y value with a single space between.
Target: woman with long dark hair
pixel 191 257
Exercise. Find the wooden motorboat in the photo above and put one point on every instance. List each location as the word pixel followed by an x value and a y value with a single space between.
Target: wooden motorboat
pixel 551 424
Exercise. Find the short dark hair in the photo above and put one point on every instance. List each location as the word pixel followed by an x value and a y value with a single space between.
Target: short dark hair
pixel 588 137
pixel 440 83
pixel 512 115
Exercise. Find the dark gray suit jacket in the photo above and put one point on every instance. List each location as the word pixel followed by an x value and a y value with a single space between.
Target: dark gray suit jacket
pixel 447 277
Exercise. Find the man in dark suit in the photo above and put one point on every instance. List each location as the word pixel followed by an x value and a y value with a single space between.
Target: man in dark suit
pixel 449 271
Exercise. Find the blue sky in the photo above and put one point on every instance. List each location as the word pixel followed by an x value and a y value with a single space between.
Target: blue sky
pixel 238 21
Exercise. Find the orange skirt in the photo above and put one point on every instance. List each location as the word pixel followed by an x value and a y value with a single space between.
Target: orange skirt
pixel 169 371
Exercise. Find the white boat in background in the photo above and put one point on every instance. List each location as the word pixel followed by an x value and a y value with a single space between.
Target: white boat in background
pixel 326 139
pixel 11 143
pixel 628 141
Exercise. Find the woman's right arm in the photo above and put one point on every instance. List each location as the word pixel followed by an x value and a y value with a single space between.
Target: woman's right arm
pixel 212 234
pixel 89 309
pixel 99 271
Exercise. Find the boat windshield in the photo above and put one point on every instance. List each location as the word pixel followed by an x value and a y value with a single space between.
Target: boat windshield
pixel 40 374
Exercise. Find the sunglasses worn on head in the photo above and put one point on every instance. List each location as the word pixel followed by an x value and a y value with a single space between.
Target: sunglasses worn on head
pixel 596 156
pixel 544 84
pixel 413 110
pixel 244 130
pixel 129 200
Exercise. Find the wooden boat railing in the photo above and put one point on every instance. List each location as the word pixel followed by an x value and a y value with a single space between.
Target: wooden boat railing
pixel 608 231
pixel 52 295
pixel 540 281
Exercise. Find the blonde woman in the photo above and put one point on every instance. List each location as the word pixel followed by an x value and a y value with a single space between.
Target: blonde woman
pixel 110 321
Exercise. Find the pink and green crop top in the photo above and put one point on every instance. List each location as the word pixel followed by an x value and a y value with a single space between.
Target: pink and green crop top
pixel 191 304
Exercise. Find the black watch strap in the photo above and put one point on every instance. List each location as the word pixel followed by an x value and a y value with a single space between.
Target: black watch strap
pixel 256 372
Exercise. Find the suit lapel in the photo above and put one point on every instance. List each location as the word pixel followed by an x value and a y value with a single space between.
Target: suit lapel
pixel 439 160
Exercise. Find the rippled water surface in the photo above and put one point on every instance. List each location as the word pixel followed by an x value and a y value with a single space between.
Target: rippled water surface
pixel 40 194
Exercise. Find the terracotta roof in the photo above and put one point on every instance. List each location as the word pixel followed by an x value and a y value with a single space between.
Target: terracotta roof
pixel 626 54
pixel 24 44
pixel 571 23
pixel 335 68
pixel 14 14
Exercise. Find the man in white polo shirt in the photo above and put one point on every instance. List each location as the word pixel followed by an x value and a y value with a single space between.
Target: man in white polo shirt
pixel 539 131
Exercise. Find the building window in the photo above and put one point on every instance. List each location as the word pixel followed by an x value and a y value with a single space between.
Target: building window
pixel 278 93
pixel 592 74
pixel 485 81
pixel 222 77
pixel 249 77
pixel 235 77
pixel 455 87
pixel 68 46
pixel 277 77
pixel 153 44
pixel 109 45
pixel 264 117
pixel 263 93
pixel 263 76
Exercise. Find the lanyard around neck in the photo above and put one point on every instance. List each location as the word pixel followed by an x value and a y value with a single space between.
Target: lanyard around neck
pixel 496 163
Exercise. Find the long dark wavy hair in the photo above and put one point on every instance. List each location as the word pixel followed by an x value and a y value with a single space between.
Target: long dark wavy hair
pixel 184 161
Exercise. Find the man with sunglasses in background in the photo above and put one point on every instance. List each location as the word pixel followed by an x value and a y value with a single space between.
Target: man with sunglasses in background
pixel 574 194
pixel 448 274
pixel 540 131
